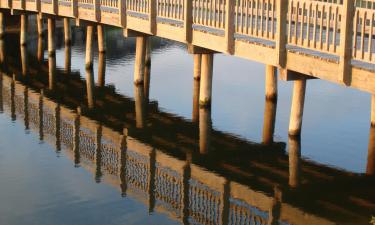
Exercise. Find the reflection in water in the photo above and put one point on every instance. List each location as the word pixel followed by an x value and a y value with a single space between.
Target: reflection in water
pixel 167 166
pixel 370 170
pixel 68 58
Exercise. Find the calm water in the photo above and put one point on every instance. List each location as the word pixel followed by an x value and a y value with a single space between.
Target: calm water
pixel 45 184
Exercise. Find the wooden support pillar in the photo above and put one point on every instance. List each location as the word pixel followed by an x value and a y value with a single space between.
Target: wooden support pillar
pixel 139 66
pixel 205 127
pixel 195 114
pixel 197 66
pixel 89 53
pixel 51 36
pixel 23 31
pixel 68 59
pixel 140 113
pixel 98 154
pixel 147 73
pixel 296 113
pixel 76 129
pixel 269 121
pixel 101 69
pixel 294 144
pixel 39 24
pixel 2 52
pixel 271 82
pixel 24 63
pixel 40 53
pixel 51 72
pixel 370 168
pixel 2 25
pixel 122 167
pixel 102 46
pixel 205 92
pixel 67 32
pixel 90 87
pixel 151 181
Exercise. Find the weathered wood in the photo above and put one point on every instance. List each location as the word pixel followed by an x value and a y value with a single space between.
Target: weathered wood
pixel 39 24
pixel 229 26
pixel 197 66
pixel 139 65
pixel 195 113
pixel 90 87
pixel 122 12
pixel 97 11
pixel 152 16
pixel 281 32
pixel 271 82
pixel 102 45
pixel 89 53
pixel 346 38
pixel 269 121
pixel 188 20
pixel 139 106
pixel 206 80
pixel 101 69
pixel 24 63
pixel 205 127
pixel 51 71
pixel 296 113
pixel 294 150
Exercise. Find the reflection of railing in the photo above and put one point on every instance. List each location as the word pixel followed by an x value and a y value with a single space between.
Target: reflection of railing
pixel 147 171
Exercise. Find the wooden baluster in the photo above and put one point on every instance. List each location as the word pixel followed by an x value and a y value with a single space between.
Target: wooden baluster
pixel 296 17
pixel 335 21
pixel 364 18
pixel 261 17
pixel 370 42
pixel 328 27
pixel 302 24
pixel 290 19
pixel 256 26
pixel 315 25
pixel 355 31
pixel 309 12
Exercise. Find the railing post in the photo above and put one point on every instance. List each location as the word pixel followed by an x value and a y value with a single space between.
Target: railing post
pixel 229 25
pixel 38 8
pixel 281 14
pixel 152 16
pixel 23 4
pixel 122 12
pixel 74 6
pixel 97 10
pixel 346 39
pixel 55 6
pixel 188 20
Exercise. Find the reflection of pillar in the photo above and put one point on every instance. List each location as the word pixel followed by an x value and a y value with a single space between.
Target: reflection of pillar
pixel 185 193
pixel 26 107
pixel 23 30
pixel 2 25
pixel 294 144
pixel 224 198
pixel 51 36
pixel 296 113
pixel 90 87
pixel 197 66
pixel 51 71
pixel 101 69
pixel 269 121
pixel 140 113
pixel 205 126
pixel 67 32
pixel 275 208
pixel 139 65
pixel 68 58
pixel 39 24
pixel 1 93
pixel 12 100
pixel 195 114
pixel 40 53
pixel 89 53
pixel 151 181
pixel 370 169
pixel 122 168
pixel 271 82
pixel 24 59
pixel 98 154
pixel 76 128
pixel 57 127
pixel 2 52
pixel 102 47
pixel 41 133
pixel 147 69
pixel 373 110
pixel 205 92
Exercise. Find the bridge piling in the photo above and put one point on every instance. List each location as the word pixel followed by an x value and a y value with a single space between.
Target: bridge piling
pixel 51 36
pixel 40 50
pixel 89 53
pixel 139 106
pixel 271 82
pixel 24 60
pixel 197 66
pixel 296 114
pixel 205 127
pixel 147 70
pixel 2 25
pixel 205 92
pixel 67 32
pixel 39 24
pixel 101 69
pixel 195 113
pixel 269 121
pixel 23 31
pixel 68 59
pixel 370 167
pixel 139 66
pixel 51 72
pixel 294 151
pixel 102 46
pixel 2 52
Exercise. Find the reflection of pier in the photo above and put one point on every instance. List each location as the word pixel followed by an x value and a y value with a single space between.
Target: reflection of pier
pixel 173 181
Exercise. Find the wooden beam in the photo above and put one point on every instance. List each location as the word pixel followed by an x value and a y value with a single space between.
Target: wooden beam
pixel 289 75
